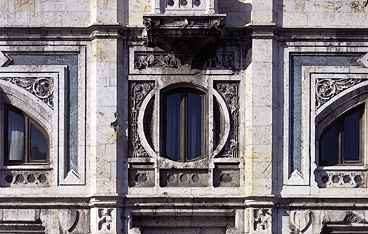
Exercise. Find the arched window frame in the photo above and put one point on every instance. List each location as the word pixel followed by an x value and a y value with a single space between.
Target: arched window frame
pixel 28 122
pixel 334 115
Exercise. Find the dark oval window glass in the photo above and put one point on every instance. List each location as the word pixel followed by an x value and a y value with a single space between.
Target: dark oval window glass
pixel 340 143
pixel 183 121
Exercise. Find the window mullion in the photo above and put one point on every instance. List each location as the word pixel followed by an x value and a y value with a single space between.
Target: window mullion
pixel 183 126
pixel 26 139
pixel 341 142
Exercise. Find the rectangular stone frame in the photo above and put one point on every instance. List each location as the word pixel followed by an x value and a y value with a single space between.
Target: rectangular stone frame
pixel 64 177
pixel 306 180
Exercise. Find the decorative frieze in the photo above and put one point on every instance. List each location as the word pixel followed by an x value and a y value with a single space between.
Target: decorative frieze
pixel 329 88
pixel 230 92
pixel 105 219
pixel 341 179
pixel 145 61
pixel 42 87
pixel 183 178
pixel 216 22
pixel 140 176
pixel 138 91
pixel 25 178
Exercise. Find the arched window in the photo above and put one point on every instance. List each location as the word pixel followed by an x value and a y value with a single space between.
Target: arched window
pixel 25 140
pixel 341 142
pixel 183 124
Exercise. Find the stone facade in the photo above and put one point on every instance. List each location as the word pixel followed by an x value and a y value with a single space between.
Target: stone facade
pixel 272 77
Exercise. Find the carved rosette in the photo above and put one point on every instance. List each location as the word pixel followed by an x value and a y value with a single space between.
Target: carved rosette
pixel 105 219
pixel 22 178
pixel 230 92
pixel 329 88
pixel 341 179
pixel 138 91
pixel 42 88
pixel 145 61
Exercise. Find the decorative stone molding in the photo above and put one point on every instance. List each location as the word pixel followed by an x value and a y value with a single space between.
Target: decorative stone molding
pixel 183 178
pixel 145 61
pixel 329 88
pixel 363 61
pixel 230 92
pixel 42 87
pixel 138 91
pixel 261 220
pixel 341 179
pixel 105 219
pixel 156 22
pixel 12 178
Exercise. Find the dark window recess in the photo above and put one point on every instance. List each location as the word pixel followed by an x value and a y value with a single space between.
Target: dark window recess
pixel 341 142
pixel 183 122
pixel 25 140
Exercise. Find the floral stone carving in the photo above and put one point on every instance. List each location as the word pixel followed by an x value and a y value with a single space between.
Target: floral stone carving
pixel 329 88
pixel 138 91
pixel 230 92
pixel 42 88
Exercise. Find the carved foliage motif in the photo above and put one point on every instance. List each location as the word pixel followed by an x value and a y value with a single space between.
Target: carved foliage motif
pixel 145 61
pixel 329 88
pixel 138 91
pixel 229 91
pixel 262 219
pixel 105 217
pixel 42 88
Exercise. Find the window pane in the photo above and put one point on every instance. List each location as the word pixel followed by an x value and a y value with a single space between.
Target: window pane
pixel 15 136
pixel 351 136
pixel 194 125
pixel 38 144
pixel 173 126
pixel 329 145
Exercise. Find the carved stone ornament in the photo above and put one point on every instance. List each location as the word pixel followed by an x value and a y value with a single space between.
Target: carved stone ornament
pixel 230 92
pixel 42 88
pixel 341 179
pixel 138 91
pixel 145 61
pixel 329 88
pixel 262 219
pixel 220 62
pixel 21 178
pixel 105 219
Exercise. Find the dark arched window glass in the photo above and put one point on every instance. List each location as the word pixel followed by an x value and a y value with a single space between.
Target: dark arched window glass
pixel 183 124
pixel 340 143
pixel 25 140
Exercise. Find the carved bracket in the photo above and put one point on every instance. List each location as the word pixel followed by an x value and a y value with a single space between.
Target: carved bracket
pixel 230 93
pixel 138 91
pixel 329 88
pixel 42 88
